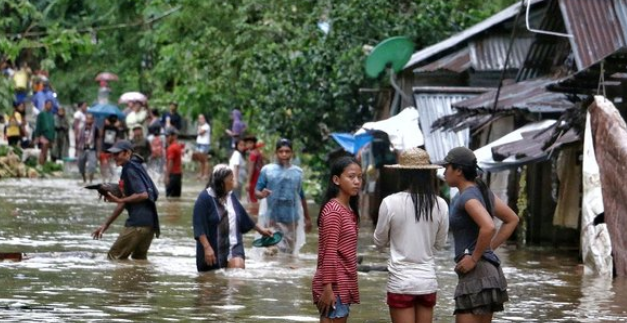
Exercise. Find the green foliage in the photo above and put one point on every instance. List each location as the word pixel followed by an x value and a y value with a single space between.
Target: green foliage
pixel 5 150
pixel 6 95
pixel 267 58
pixel 51 167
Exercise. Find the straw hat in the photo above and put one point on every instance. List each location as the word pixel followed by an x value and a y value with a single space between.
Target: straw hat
pixel 414 158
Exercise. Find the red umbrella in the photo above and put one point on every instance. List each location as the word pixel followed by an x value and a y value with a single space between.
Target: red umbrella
pixel 106 76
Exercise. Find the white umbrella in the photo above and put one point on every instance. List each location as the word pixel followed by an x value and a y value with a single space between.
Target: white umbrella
pixel 132 96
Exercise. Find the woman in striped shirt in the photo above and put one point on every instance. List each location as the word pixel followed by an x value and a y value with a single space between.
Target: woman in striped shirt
pixel 334 284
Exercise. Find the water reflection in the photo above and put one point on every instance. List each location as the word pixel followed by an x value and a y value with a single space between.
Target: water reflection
pixel 66 277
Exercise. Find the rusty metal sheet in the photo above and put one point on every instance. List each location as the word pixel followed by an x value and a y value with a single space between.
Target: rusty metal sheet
pixel 457 62
pixel 598 28
pixel 609 134
pixel 531 95
pixel 545 50
pixel 484 54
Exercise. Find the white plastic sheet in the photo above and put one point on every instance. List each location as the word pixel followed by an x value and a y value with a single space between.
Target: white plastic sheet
pixel 402 129
pixel 596 245
pixel 264 221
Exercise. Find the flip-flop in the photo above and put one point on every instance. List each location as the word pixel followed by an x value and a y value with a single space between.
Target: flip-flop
pixel 268 241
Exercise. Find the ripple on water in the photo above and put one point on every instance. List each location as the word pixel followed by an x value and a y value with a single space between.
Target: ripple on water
pixel 66 274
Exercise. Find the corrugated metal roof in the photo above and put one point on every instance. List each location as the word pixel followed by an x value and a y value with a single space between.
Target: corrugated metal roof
pixel 587 82
pixel 530 95
pixel 432 106
pixel 488 53
pixel 457 39
pixel 599 27
pixel 457 62
pixel 485 54
pixel 546 50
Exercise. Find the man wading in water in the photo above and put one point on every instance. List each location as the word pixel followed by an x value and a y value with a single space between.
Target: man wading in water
pixel 281 184
pixel 140 195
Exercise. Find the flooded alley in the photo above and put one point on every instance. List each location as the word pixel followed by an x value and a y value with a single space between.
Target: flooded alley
pixel 66 277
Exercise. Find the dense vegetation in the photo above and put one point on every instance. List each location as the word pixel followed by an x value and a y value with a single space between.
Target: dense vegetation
pixel 271 59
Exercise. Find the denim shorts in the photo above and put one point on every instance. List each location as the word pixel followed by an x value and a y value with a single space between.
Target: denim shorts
pixel 340 310
pixel 202 148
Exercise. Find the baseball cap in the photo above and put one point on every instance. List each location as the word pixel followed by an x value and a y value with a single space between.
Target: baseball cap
pixel 459 156
pixel 121 145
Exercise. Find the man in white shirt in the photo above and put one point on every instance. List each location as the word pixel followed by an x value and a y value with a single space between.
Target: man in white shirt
pixel 79 118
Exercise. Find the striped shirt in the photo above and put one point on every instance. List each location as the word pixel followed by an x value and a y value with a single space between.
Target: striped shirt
pixel 337 253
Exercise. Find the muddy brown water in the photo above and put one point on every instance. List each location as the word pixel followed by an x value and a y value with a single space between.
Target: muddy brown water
pixel 65 276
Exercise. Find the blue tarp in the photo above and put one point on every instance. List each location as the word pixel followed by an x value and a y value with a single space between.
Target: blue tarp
pixel 350 142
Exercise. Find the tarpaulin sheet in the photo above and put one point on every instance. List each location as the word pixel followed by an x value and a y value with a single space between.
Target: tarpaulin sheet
pixel 609 134
pixel 352 143
pixel 402 129
pixel 596 247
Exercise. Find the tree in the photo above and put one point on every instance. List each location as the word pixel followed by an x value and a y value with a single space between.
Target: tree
pixel 271 59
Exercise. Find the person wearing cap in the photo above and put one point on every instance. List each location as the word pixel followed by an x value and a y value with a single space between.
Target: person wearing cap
pixel 173 177
pixel 219 221
pixel 140 196
pixel 414 224
pixel 281 185
pixel 482 288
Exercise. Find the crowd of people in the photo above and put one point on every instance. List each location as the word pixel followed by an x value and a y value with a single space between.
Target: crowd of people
pixel 47 126
pixel 413 223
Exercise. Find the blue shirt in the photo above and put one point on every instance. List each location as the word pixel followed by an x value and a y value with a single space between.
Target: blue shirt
pixel 286 184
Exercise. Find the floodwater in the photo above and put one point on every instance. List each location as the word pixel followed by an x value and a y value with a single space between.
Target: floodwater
pixel 67 278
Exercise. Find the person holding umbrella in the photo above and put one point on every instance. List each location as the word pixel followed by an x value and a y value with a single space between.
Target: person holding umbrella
pixel 136 117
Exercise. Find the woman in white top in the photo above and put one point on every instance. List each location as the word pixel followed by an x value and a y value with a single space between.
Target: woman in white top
pixel 203 144
pixel 414 223
pixel 136 117
pixel 238 165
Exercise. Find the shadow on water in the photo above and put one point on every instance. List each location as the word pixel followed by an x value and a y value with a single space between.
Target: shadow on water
pixel 65 276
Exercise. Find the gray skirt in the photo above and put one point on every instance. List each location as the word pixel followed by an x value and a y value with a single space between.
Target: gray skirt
pixel 481 291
